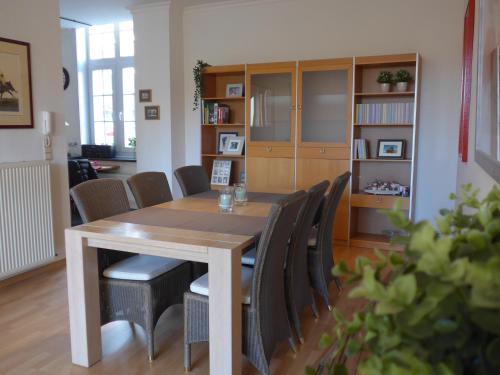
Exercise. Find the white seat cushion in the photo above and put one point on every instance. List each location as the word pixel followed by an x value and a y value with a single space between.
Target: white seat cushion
pixel 141 267
pixel 248 259
pixel 200 285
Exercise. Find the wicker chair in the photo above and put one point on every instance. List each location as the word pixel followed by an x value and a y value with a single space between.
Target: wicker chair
pixel 150 188
pixel 192 179
pixel 130 298
pixel 265 319
pixel 320 256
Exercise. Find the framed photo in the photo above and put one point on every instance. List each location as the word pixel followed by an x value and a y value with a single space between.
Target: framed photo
pixel 234 89
pixel 234 146
pixel 16 106
pixel 221 172
pixel 391 148
pixel 152 112
pixel 223 138
pixel 145 96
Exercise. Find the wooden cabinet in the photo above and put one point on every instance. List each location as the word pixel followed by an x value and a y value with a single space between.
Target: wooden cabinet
pixel 275 175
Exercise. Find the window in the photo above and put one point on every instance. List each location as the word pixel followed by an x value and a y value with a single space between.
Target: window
pixel 111 85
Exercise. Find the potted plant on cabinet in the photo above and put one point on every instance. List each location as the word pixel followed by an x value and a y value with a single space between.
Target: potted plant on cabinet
pixel 385 80
pixel 432 310
pixel 402 78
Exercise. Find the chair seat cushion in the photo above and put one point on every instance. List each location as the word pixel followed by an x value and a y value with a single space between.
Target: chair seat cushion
pixel 200 285
pixel 248 259
pixel 141 268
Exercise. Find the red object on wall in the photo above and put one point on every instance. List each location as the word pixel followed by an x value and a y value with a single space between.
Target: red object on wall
pixel 468 51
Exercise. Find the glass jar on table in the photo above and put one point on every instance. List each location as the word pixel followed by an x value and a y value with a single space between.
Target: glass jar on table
pixel 226 199
pixel 240 194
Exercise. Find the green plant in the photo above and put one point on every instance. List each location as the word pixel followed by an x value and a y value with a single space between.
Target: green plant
pixel 198 81
pixel 439 311
pixel 385 77
pixel 402 76
pixel 132 142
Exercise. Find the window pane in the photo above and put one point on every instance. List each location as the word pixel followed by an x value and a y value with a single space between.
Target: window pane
pixel 108 108
pixel 126 43
pixel 128 80
pixel 102 42
pixel 98 108
pixel 128 108
pixel 97 82
pixel 109 133
pixel 129 132
pixel 107 82
pixel 99 138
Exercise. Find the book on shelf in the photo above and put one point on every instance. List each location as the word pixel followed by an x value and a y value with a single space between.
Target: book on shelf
pixel 385 113
pixel 215 113
pixel 360 149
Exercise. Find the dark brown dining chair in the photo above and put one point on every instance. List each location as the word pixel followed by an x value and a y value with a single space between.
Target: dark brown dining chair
pixel 150 188
pixel 320 253
pixel 192 179
pixel 134 288
pixel 265 319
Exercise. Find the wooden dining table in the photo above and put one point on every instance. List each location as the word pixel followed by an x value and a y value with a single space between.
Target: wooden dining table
pixel 191 229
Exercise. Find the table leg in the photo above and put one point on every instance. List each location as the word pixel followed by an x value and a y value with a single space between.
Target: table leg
pixel 83 298
pixel 224 280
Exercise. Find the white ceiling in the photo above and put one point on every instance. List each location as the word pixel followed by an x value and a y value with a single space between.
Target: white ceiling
pixel 99 12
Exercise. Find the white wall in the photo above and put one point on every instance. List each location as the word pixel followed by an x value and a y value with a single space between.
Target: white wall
pixel 282 30
pixel 71 105
pixel 152 58
pixel 37 22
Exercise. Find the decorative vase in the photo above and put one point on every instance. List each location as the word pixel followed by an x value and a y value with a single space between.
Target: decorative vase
pixel 385 87
pixel 402 86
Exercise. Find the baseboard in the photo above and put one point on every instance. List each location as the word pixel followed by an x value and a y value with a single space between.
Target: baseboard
pixel 32 273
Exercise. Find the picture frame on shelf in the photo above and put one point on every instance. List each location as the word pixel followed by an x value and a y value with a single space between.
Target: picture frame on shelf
pixel 234 146
pixel 391 148
pixel 234 90
pixel 152 112
pixel 145 96
pixel 221 172
pixel 222 141
pixel 16 104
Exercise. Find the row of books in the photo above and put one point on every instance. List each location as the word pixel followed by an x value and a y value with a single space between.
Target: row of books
pixel 360 149
pixel 385 113
pixel 215 113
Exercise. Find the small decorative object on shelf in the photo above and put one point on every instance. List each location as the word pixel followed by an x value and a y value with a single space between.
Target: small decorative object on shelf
pixel 234 146
pixel 145 96
pixel 226 199
pixel 385 79
pixel 223 138
pixel 242 176
pixel 221 172
pixel 391 148
pixel 402 78
pixel 379 187
pixel 198 81
pixel 234 90
pixel 240 194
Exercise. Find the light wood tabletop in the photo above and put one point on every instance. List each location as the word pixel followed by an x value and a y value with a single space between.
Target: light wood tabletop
pixel 190 229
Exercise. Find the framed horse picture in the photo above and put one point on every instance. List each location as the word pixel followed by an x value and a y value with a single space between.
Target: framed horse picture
pixel 16 106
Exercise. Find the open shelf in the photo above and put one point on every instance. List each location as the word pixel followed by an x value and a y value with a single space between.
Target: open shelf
pixel 223 156
pixel 223 125
pixel 377 241
pixel 390 93
pixel 384 160
pixel 378 201
pixel 384 125
pixel 225 98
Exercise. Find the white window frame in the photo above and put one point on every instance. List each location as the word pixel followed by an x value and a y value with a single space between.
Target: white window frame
pixel 116 64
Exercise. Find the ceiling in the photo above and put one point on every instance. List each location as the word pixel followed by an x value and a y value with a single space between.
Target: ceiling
pixel 99 12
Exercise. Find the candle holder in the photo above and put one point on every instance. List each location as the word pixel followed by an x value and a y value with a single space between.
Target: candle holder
pixel 240 194
pixel 226 199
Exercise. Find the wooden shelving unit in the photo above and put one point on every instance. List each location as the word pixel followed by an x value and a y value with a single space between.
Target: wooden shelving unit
pixel 367 225
pixel 215 80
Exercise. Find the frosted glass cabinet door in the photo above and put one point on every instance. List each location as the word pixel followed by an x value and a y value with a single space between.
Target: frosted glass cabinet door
pixel 271 101
pixel 325 106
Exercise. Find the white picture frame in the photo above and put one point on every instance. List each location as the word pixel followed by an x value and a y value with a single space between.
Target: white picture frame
pixel 234 90
pixel 234 146
pixel 221 172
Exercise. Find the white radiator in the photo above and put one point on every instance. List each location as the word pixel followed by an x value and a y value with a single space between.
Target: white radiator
pixel 26 229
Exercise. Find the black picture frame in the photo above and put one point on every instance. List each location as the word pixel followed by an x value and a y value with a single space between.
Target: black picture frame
pixel 400 144
pixel 152 112
pixel 222 144
pixel 145 96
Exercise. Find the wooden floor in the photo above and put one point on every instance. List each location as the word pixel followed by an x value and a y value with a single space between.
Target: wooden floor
pixel 34 334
